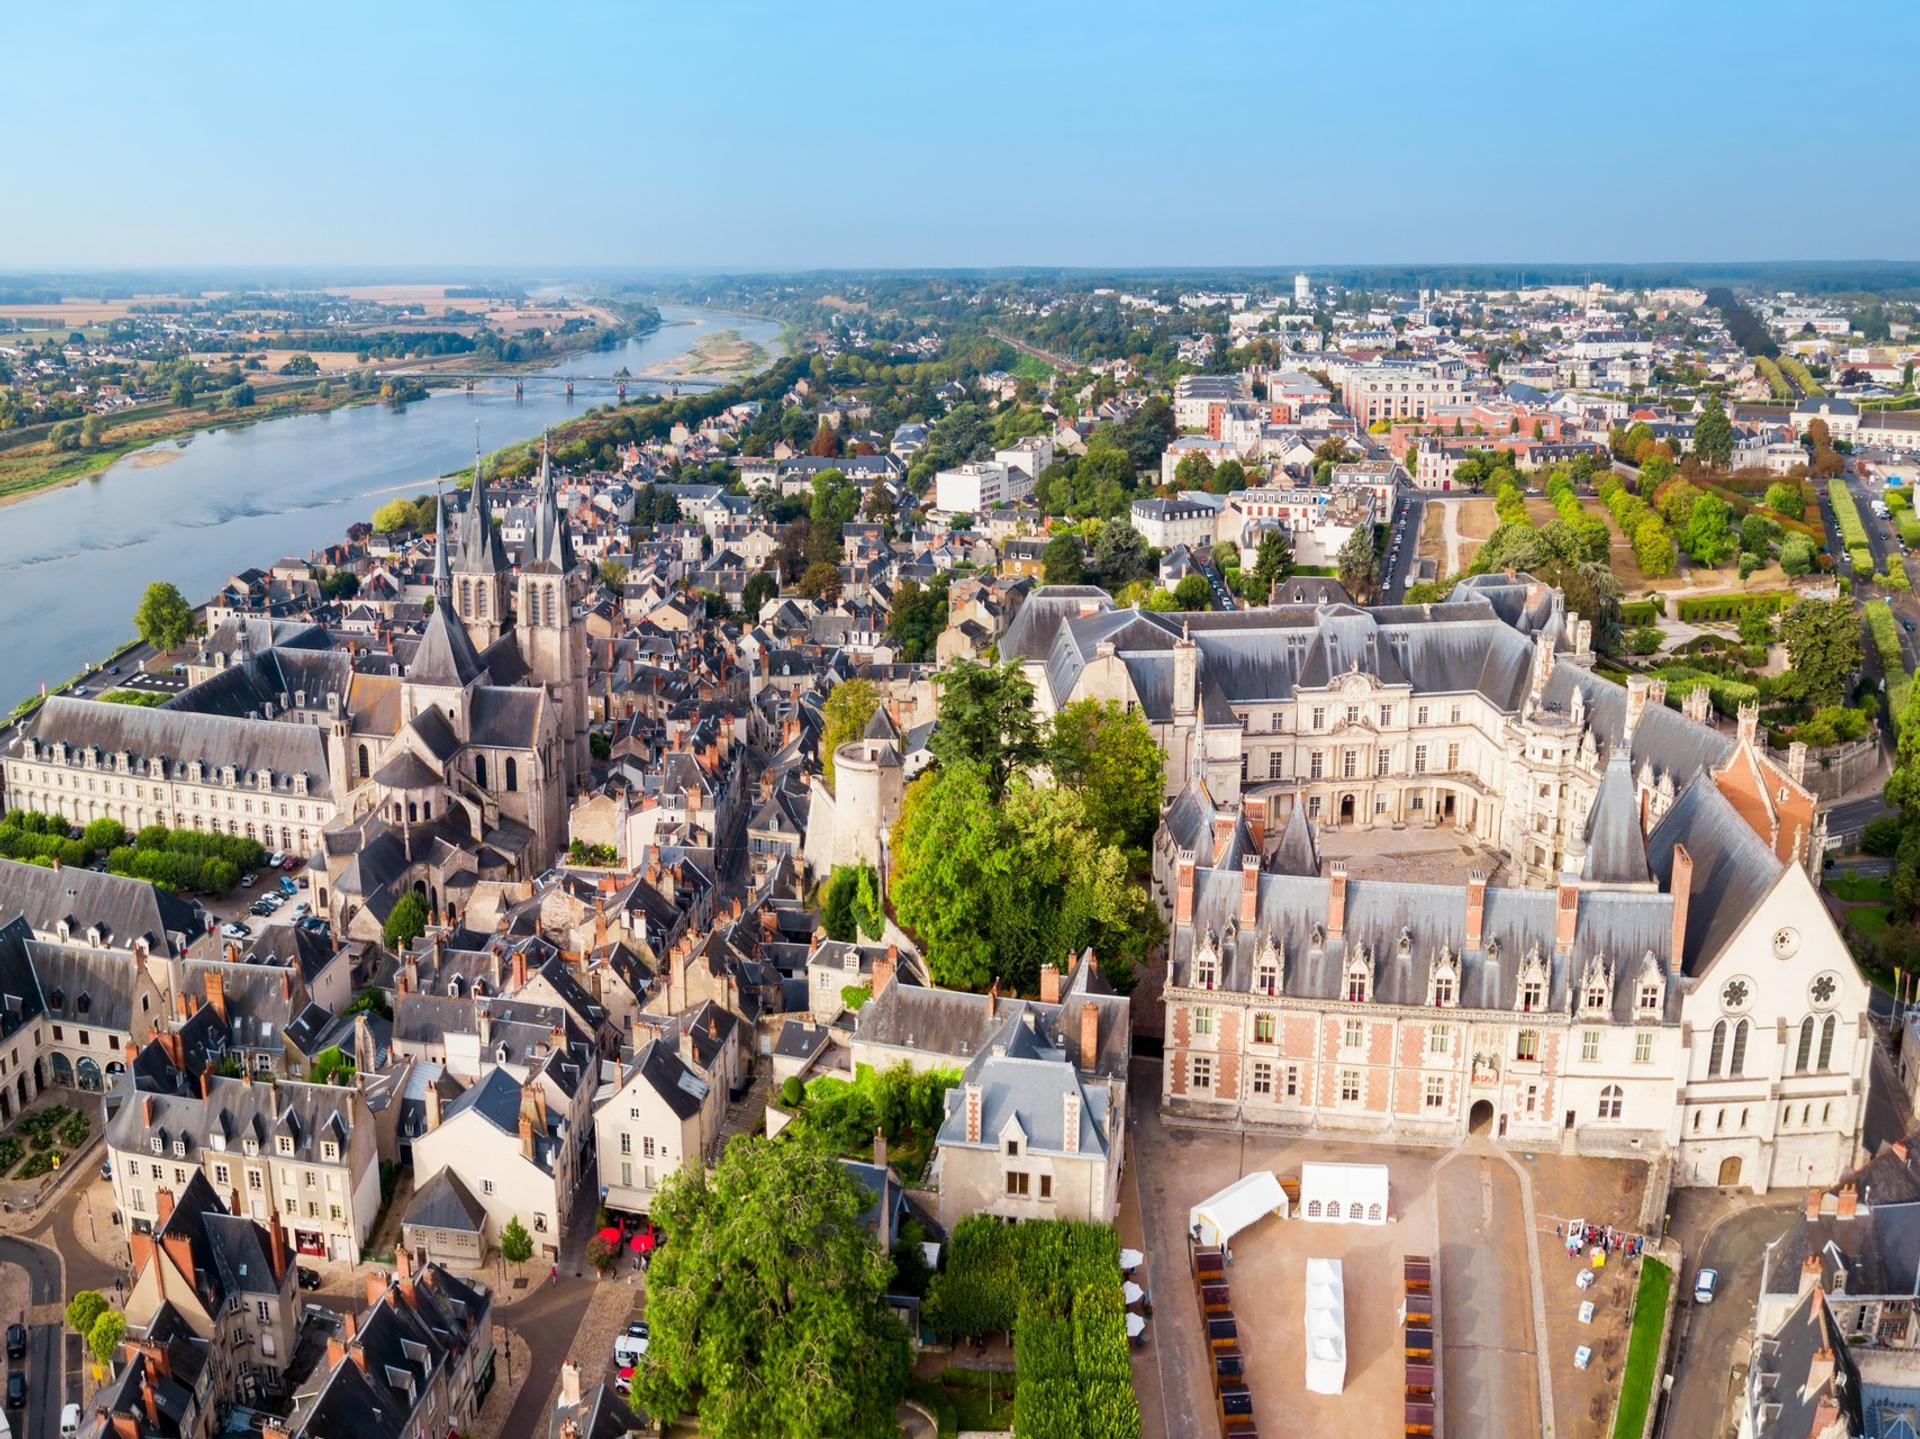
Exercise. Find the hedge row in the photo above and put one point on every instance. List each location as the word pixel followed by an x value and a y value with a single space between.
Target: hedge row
pixel 1886 642
pixel 1652 542
pixel 1638 612
pixel 1730 607
pixel 1794 369
pixel 1510 502
pixel 1777 382
pixel 1861 558
pixel 1727 694
pixel 1910 528
pixel 1596 540
pixel 1846 515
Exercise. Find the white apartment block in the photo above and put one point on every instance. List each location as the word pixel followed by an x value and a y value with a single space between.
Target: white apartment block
pixel 970 488
pixel 1398 390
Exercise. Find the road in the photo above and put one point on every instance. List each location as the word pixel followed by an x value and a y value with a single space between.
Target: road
pixel 1406 528
pixel 1491 1381
pixel 1708 1336
pixel 47 1357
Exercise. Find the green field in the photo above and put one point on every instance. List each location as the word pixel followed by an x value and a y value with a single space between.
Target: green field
pixel 1031 367
pixel 1643 1350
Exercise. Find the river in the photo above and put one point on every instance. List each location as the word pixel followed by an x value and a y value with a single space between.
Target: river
pixel 75 561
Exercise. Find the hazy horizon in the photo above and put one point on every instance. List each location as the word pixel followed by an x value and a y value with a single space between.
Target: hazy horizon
pixel 1100 139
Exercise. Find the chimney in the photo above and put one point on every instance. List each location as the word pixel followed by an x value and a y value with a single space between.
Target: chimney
pixel 1681 886
pixel 971 1098
pixel 1636 705
pixel 1222 835
pixel 376 1287
pixel 1049 983
pixel 1697 704
pixel 993 998
pixel 1809 1273
pixel 879 1147
pixel 1183 887
pixel 217 992
pixel 231 952
pixel 146 1110
pixel 403 1271
pixel 1089 1035
pixel 1256 812
pixel 1797 762
pixel 1814 1198
pixel 1476 907
pixel 519 970
pixel 432 1105
pixel 883 968
pixel 1849 1201
pixel 1749 722
pixel 163 1205
pixel 1820 1371
pixel 1249 889
pixel 569 1384
pixel 1070 1119
pixel 141 1247
pixel 277 1236
pixel 1336 899
pixel 146 1398
pixel 526 1134
pixel 1566 915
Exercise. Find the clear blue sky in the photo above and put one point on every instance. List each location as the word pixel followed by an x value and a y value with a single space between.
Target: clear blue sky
pixel 783 135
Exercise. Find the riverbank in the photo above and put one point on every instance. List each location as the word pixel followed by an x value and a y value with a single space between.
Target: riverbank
pixel 721 353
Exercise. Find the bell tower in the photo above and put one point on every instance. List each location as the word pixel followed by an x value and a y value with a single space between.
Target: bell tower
pixel 553 636
pixel 480 573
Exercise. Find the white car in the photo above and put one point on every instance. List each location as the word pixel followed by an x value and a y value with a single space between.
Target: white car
pixel 235 931
pixel 629 1350
pixel 1704 1283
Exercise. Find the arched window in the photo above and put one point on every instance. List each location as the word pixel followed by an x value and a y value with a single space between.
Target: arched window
pixel 413 810
pixel 1373 1213
pixel 365 768
pixel 482 609
pixel 466 597
pixel 1804 1055
pixel 550 604
pixel 513 775
pixel 1356 1210
pixel 480 770
pixel 1610 1102
pixel 1313 1209
pixel 1718 1050
pixel 1738 1066
pixel 1826 1043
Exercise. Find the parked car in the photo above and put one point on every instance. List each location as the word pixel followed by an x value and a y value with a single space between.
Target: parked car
pixel 301 910
pixel 275 859
pixel 234 929
pixel 246 881
pixel 1704 1284
pixel 70 1422
pixel 309 1278
pixel 629 1350
pixel 623 1381
pixel 16 1341
pixel 287 886
pixel 16 1390
pixel 637 1329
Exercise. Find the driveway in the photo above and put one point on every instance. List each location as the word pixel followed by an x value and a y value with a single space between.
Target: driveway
pixel 1709 1339
pixel 1489 1367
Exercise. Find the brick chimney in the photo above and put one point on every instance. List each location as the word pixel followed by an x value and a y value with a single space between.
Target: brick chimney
pixel 163 1205
pixel 1849 1202
pixel 277 1237
pixel 431 1101
pixel 1820 1372
pixel 1183 887
pixel 217 993
pixel 1089 1035
pixel 376 1287
pixel 519 970
pixel 147 1399
pixel 1476 908
pixel 971 1097
pixel 1049 983
pixel 1249 889
pixel 403 1272
pixel 1636 703
pixel 1070 1120
pixel 1681 887
pixel 1566 915
pixel 1809 1272
pixel 884 966
pixel 1814 1198
pixel 141 1252
pixel 526 1134
pixel 1222 835
pixel 1336 899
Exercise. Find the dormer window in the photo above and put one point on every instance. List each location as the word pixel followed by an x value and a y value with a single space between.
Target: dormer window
pixel 286 1144
pixel 1206 966
pixel 330 1151
pixel 1533 993
pixel 1266 970
pixel 251 1146
pixel 1359 987
pixel 1650 997
pixel 157 1144
pixel 1443 989
pixel 179 1149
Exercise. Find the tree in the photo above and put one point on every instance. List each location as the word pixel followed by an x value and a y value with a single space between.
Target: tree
pixel 1120 555
pixel 103 1339
pixel 768 1308
pixel 826 444
pixel 164 619
pixel 1706 536
pixel 1272 563
pixel 1712 434
pixel 91 429
pixel 986 719
pixel 868 917
pixel 1193 472
pixel 1193 592
pixel 993 883
pixel 1109 757
pixel 83 1309
pixel 1060 561
pixel 1786 498
pixel 849 707
pixel 406 922
pixel 601 1253
pixel 65 435
pixel 759 588
pixel 1359 564
pixel 516 1245
pixel 821 582
pixel 918 617
pixel 1228 476
pixel 1823 647
pixel 836 903
pixel 394 515
pixel 1797 555
pixel 613 574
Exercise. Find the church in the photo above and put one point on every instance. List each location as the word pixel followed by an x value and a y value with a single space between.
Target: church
pixel 431 768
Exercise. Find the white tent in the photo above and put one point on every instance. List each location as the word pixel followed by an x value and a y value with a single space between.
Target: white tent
pixel 1344 1193
pixel 1245 1201
pixel 1326 1327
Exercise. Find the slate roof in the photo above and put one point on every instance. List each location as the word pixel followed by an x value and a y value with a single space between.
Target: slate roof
pixel 446 656
pixel 180 736
pixel 443 1202
pixel 661 1068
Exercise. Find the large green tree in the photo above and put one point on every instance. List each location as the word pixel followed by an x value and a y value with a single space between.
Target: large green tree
pixel 1272 563
pixel 164 619
pixel 768 1308
pixel 1061 563
pixel 1107 755
pixel 406 922
pixel 846 713
pixel 1712 434
pixel 994 883
pixel 1359 564
pixel 918 616
pixel 1823 645
pixel 986 719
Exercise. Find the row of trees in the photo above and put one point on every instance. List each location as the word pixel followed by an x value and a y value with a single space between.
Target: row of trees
pixel 1653 547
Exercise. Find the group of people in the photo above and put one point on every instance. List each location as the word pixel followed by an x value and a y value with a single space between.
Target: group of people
pixel 1602 1237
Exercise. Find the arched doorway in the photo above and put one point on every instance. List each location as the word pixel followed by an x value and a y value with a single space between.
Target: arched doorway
pixel 1729 1171
pixel 1346 809
pixel 88 1073
pixel 62 1069
pixel 1480 1117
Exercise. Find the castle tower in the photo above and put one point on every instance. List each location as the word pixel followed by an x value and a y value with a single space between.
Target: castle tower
pixel 553 637
pixel 480 571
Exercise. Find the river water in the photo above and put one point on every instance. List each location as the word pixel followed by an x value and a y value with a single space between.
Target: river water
pixel 75 561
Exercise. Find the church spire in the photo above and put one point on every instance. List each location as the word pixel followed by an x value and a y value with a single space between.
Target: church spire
pixel 442 569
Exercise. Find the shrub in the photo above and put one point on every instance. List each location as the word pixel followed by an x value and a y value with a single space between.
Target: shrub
pixel 1711 609
pixel 1846 514
pixel 1885 634
pixel 792 1093
pixel 1882 836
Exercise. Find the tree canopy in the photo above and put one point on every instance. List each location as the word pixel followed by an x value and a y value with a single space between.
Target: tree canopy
pixel 1823 644
pixel 1061 563
pixel 406 922
pixel 164 618
pixel 1359 564
pixel 850 705
pixel 986 719
pixel 768 1308
pixel 1713 434
pixel 1106 754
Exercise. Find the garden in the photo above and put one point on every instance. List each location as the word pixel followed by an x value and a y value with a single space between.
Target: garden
pixel 1643 1349
pixel 1055 1286
pixel 45 1137
pixel 838 1116
pixel 175 859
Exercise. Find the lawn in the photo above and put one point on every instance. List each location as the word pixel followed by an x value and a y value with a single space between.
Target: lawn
pixel 1643 1350
pixel 1855 888
pixel 967 1399
pixel 1870 922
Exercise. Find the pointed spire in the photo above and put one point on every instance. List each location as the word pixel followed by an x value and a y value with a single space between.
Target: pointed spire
pixel 546 462
pixel 442 569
